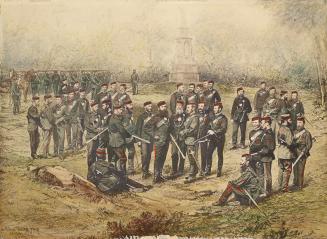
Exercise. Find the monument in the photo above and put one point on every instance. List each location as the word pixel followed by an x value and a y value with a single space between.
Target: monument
pixel 184 67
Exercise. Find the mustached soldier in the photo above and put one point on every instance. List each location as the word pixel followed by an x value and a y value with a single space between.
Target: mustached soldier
pixel 191 96
pixel 247 181
pixel 121 96
pixel 217 129
pixel 146 149
pixel 296 108
pixel 130 126
pixel 255 138
pixel 303 144
pixel 271 108
pixel 239 116
pixel 72 121
pixel 190 133
pixel 285 152
pixel 177 95
pixel 33 119
pixel 211 96
pixel 159 127
pixel 84 108
pixel 203 130
pixel 177 122
pixel 117 136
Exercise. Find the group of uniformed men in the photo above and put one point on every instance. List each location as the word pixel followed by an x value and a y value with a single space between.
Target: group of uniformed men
pixel 196 123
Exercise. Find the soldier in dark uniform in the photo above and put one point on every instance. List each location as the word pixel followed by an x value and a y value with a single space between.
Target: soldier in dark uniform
pixel 177 95
pixel 146 149
pixel 239 116
pixel 34 83
pixel 135 81
pixel 103 94
pixel 93 128
pixel 46 83
pixel 285 152
pixel 200 93
pixel 190 133
pixel 260 98
pixel 59 114
pixel 117 136
pixel 72 124
pixel 113 90
pixel 130 126
pixel 177 124
pixel 211 96
pixel 64 87
pixel 217 129
pixel 159 127
pixel 55 82
pixel 271 108
pixel 15 95
pixel 84 108
pixel 255 138
pixel 248 181
pixel 296 108
pixel 191 96
pixel 203 130
pixel 33 119
pixel 122 96
pixel 46 119
pixel 266 155
pixel 303 144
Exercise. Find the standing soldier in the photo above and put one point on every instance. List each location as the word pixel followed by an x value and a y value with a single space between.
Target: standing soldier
pixel 190 134
pixel 46 120
pixel 211 96
pixel 191 96
pixel 255 138
pixel 177 95
pixel 34 83
pixel 296 108
pixel 239 116
pixel 260 98
pixel 146 149
pixel 117 136
pixel 122 96
pixel 247 183
pixel 55 136
pixel 33 119
pixel 177 124
pixel 217 129
pixel 93 128
pixel 200 93
pixel 267 155
pixel 130 126
pixel 135 81
pixel 113 90
pixel 285 153
pixel 64 87
pixel 55 82
pixel 84 108
pixel 203 130
pixel 46 83
pixel 271 108
pixel 159 127
pixel 303 144
pixel 59 119
pixel 103 94
pixel 71 108
pixel 15 94
pixel 283 103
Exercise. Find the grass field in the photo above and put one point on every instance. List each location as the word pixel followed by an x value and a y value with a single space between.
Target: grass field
pixel 30 209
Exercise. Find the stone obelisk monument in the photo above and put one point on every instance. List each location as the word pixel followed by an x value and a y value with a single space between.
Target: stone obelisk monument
pixel 184 67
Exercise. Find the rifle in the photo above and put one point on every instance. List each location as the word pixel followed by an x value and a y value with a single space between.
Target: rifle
pixel 179 149
pixel 96 136
pixel 141 139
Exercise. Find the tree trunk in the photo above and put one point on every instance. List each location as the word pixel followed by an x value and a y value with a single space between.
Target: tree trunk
pixel 320 82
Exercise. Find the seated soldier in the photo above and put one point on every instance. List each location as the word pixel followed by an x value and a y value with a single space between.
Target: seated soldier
pixel 247 183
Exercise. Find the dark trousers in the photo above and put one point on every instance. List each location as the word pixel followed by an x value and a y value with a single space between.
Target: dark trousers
pixel 119 153
pixel 212 145
pixel 242 127
pixel 81 132
pixel 192 160
pixel 203 148
pixel 177 160
pixel 34 141
pixel 69 134
pixel 160 158
pixel 91 155
pixel 55 140
pixel 130 156
pixel 146 150
pixel 135 88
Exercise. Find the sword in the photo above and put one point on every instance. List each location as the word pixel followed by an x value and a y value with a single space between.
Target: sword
pixel 254 202
pixel 297 160
pixel 96 135
pixel 179 149
pixel 143 140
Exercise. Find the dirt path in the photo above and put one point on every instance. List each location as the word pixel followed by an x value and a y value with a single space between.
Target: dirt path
pixel 33 210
